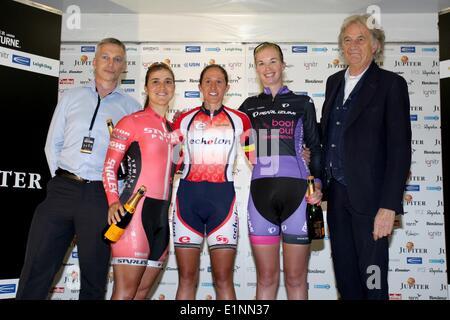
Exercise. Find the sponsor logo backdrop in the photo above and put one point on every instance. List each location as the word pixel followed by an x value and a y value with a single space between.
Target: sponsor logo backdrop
pixel 417 249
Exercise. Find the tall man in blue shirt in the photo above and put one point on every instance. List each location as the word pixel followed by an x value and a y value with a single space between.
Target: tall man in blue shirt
pixel 76 202
pixel 366 134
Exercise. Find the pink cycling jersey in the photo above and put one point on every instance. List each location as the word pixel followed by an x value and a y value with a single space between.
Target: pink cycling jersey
pixel 147 139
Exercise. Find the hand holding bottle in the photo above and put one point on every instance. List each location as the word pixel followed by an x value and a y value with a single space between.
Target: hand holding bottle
pixel 316 196
pixel 115 212
pixel 314 214
pixel 119 217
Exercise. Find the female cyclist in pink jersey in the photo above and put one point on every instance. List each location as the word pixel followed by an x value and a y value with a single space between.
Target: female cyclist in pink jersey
pixel 205 198
pixel 147 140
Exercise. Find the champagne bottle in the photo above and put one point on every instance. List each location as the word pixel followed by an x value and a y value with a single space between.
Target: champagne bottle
pixel 314 214
pixel 122 172
pixel 114 231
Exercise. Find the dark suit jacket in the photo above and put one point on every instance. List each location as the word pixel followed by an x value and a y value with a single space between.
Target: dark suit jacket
pixel 377 140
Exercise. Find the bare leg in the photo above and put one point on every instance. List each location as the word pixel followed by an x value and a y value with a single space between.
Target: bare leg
pixel 295 266
pixel 147 282
pixel 267 261
pixel 126 281
pixel 188 261
pixel 222 262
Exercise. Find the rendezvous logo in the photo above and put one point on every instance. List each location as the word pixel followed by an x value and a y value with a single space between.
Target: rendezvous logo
pixel 214 49
pixel 207 284
pixel 413 117
pixel 87 48
pixel 299 49
pixel 438 261
pixel 192 94
pixel 192 49
pixel 432 118
pixel 434 188
pixel 322 286
pixel 408 49
pixel 320 49
pixel 7 288
pixel 431 49
pixel 21 60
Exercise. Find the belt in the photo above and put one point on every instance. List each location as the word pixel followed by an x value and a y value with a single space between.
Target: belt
pixel 69 175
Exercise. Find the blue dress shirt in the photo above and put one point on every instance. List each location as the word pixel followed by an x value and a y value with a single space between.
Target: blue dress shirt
pixel 70 124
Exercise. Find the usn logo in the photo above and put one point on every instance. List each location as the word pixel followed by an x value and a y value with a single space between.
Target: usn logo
pixel 192 49
pixel 299 49
pixel 21 60
pixel 192 94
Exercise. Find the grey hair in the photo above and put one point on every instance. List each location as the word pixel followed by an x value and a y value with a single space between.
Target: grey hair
pixel 377 33
pixel 111 41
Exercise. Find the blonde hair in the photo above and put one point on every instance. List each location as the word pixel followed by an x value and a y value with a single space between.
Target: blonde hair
pixel 265 45
pixel 377 34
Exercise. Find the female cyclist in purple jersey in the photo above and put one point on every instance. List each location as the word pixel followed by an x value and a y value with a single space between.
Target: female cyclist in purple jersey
pixel 283 122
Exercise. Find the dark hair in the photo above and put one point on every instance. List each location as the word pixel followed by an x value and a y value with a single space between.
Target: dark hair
pixel 222 69
pixel 265 45
pixel 156 66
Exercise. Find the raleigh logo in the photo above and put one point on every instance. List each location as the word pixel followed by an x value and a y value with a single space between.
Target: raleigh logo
pixel 299 49
pixel 21 60
pixel 192 94
pixel 87 48
pixel 192 49
pixel 7 288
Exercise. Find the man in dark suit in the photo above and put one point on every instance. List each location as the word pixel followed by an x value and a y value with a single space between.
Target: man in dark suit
pixel 366 142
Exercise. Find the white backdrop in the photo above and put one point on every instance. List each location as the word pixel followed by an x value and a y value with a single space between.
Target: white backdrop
pixel 417 249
